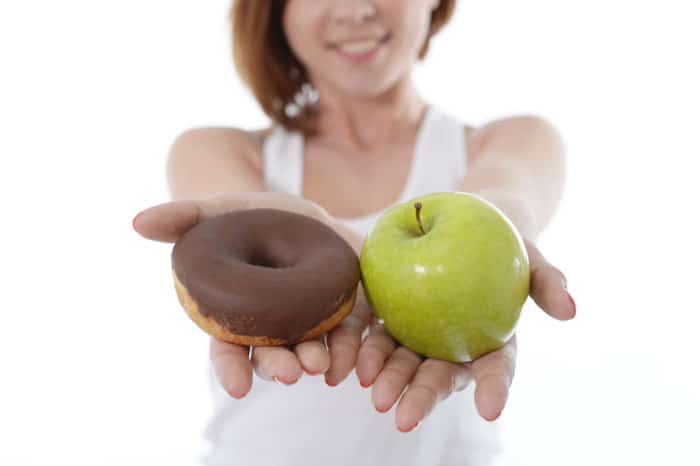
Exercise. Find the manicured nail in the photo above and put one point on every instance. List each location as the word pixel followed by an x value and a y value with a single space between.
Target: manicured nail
pixel 382 410
pixel 573 304
pixel 133 220
pixel 498 414
pixel 235 394
pixel 330 384
pixel 282 382
pixel 409 429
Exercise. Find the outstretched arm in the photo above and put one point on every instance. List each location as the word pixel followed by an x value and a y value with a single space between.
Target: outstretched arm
pixel 518 165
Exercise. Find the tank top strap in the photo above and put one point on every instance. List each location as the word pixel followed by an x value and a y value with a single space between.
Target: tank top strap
pixel 282 153
pixel 441 157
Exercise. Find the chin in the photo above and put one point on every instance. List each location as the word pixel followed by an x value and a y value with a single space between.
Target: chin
pixel 366 89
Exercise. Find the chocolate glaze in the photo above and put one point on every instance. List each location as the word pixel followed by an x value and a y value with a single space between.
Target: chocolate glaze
pixel 266 272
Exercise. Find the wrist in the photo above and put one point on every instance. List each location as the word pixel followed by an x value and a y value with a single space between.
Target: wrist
pixel 353 238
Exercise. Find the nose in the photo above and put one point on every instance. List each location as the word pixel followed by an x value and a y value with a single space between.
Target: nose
pixel 354 11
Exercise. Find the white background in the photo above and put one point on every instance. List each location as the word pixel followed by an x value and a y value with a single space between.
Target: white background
pixel 100 366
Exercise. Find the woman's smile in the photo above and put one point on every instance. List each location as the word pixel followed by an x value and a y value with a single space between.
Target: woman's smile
pixel 360 50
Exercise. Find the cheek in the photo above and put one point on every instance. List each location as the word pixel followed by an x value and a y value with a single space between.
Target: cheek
pixel 414 31
pixel 299 28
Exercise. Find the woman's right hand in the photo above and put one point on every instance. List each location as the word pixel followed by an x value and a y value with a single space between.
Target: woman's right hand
pixel 234 368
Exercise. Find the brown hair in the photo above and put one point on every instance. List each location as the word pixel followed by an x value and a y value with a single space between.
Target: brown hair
pixel 268 66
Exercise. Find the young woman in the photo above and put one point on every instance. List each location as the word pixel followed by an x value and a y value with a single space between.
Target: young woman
pixel 350 137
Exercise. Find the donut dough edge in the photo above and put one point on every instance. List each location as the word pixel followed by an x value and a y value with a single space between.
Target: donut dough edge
pixel 216 330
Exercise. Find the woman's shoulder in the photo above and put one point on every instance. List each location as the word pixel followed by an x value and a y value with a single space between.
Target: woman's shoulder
pixel 510 127
pixel 225 141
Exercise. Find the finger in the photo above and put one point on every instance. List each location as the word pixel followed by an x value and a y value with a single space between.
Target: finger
pixel 343 344
pixel 434 381
pixel 167 222
pixel 232 367
pixel 374 352
pixel 345 339
pixel 548 286
pixel 276 363
pixel 394 377
pixel 493 374
pixel 313 356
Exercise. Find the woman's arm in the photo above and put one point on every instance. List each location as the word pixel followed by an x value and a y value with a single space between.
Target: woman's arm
pixel 518 165
pixel 211 171
pixel 206 162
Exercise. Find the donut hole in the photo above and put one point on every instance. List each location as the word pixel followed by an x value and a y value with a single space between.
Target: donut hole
pixel 274 255
pixel 264 259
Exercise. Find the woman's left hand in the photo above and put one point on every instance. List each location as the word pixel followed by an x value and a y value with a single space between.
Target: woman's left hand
pixel 391 368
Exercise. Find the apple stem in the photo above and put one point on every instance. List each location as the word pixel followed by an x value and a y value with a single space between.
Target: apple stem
pixel 418 207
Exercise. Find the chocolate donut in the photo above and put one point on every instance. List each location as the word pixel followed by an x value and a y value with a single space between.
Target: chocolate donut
pixel 265 277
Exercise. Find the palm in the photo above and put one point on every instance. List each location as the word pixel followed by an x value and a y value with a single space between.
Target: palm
pixel 390 367
pixel 232 363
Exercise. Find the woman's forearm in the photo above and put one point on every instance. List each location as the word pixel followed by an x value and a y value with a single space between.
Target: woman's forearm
pixel 519 166
pixel 516 209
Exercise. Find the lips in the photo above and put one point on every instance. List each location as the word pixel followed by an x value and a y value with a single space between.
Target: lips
pixel 359 45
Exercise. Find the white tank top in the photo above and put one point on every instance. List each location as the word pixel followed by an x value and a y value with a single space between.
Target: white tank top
pixel 311 424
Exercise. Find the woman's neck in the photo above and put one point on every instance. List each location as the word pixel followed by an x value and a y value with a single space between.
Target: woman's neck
pixel 370 124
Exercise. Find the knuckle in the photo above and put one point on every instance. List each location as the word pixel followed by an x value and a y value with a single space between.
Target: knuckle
pixel 430 392
pixel 351 344
pixel 375 348
pixel 496 377
pixel 265 361
pixel 441 376
pixel 216 348
pixel 394 373
pixel 426 397
pixel 406 355
pixel 380 343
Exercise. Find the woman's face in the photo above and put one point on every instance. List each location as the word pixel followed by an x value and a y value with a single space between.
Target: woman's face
pixel 359 47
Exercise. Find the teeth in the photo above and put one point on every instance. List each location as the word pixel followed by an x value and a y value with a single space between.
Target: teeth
pixel 359 46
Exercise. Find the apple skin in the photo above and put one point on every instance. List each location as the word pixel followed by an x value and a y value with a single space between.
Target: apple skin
pixel 455 292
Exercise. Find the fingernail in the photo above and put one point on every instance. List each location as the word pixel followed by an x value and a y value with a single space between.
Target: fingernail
pixel 573 304
pixel 133 220
pixel 282 382
pixel 409 429
pixel 330 384
pixel 382 410
pixel 233 391
pixel 498 414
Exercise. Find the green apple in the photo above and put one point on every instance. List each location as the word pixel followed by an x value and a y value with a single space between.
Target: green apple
pixel 448 274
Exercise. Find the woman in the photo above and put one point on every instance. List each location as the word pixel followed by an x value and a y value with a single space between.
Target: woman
pixel 351 137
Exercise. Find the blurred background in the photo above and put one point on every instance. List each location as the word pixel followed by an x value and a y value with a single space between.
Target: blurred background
pixel 100 365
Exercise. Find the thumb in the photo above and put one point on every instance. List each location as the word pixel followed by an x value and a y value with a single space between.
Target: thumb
pixel 548 286
pixel 167 222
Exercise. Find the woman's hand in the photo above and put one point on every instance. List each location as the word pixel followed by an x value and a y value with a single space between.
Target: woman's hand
pixel 234 368
pixel 391 369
